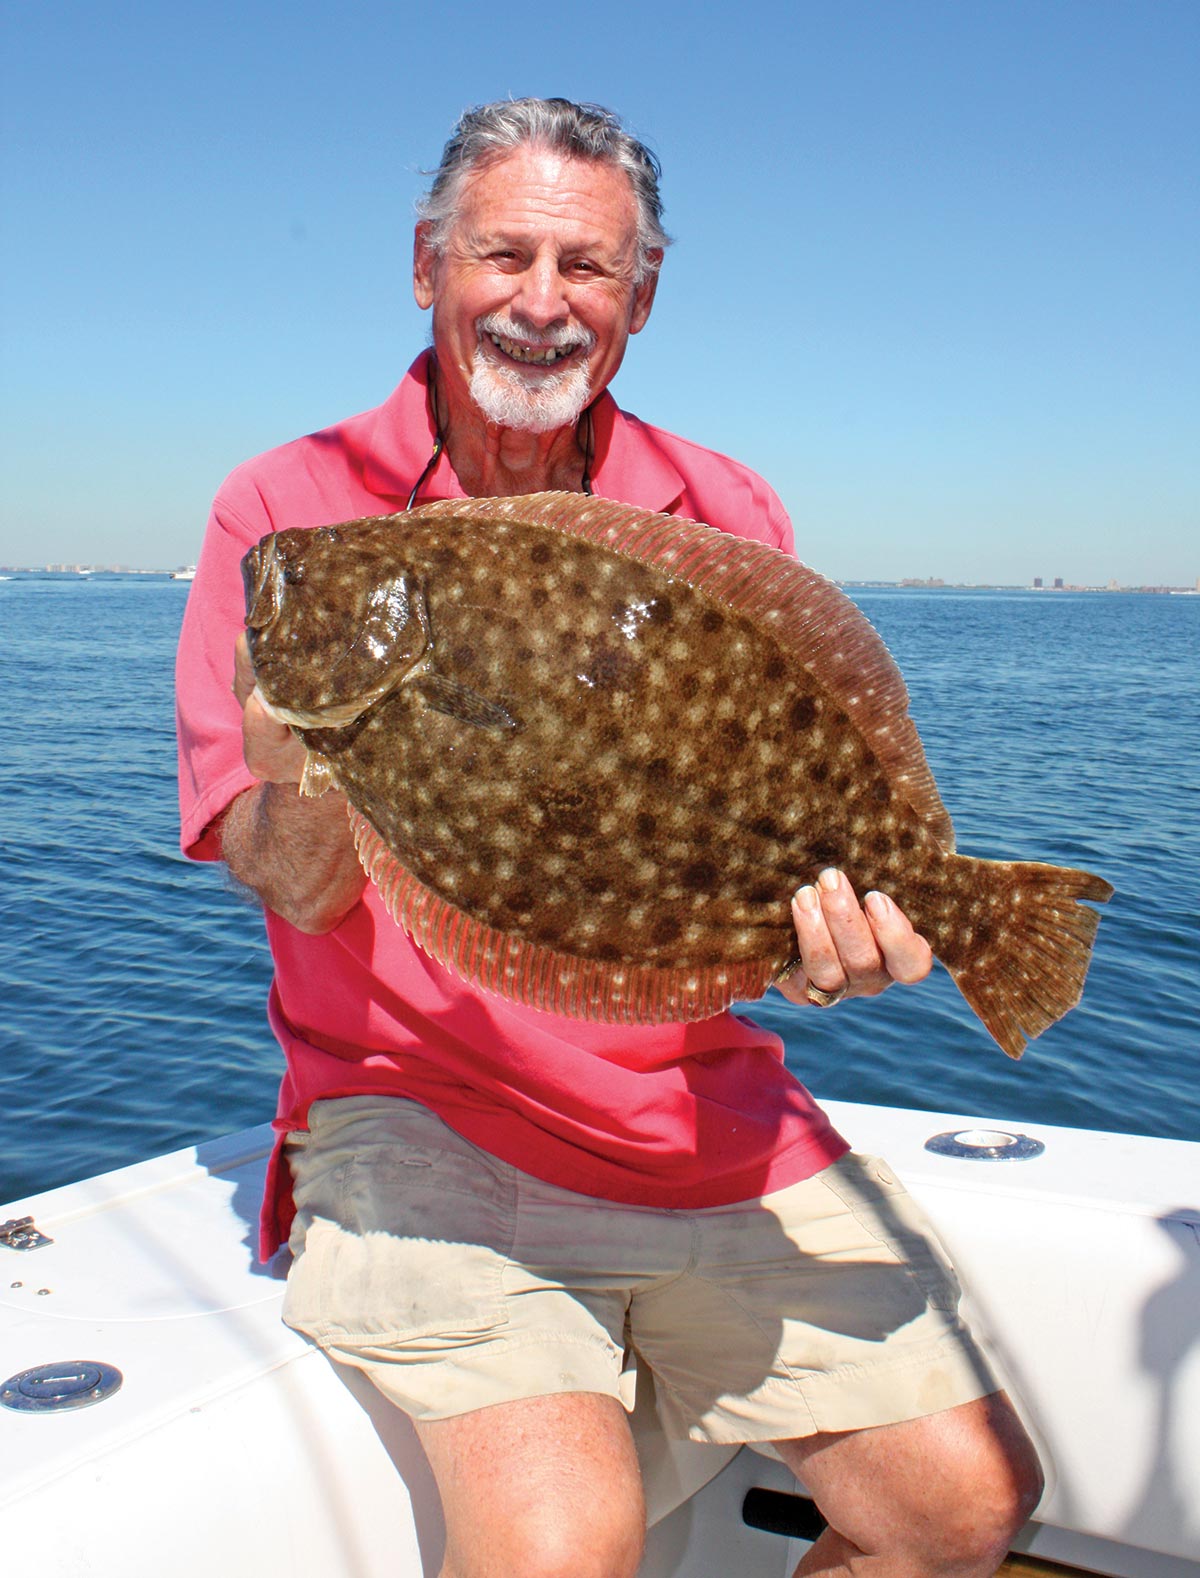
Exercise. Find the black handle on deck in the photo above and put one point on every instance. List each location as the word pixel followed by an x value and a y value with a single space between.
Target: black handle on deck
pixel 777 1512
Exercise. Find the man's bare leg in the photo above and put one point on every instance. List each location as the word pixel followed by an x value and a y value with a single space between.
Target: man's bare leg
pixel 943 1495
pixel 544 1488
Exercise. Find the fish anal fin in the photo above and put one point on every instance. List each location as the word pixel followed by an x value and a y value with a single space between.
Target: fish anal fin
pixel 1031 969
pixel 460 701
pixel 317 776
pixel 540 977
pixel 810 619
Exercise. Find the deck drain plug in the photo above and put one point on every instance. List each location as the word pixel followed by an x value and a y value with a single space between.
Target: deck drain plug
pixel 51 1388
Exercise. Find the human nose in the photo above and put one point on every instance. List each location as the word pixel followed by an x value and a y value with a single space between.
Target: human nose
pixel 542 298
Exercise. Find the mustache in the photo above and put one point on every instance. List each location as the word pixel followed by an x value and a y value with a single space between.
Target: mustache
pixel 558 337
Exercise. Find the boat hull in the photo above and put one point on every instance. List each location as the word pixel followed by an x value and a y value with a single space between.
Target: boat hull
pixel 232 1442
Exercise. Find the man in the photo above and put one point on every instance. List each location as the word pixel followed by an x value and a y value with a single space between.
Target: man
pixel 491 1203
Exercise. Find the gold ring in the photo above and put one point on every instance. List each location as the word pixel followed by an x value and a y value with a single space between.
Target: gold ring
pixel 824 999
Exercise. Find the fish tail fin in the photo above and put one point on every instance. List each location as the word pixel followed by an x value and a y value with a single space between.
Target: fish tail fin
pixel 1023 966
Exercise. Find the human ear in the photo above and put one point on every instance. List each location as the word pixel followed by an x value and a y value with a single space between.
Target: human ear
pixel 424 266
pixel 643 295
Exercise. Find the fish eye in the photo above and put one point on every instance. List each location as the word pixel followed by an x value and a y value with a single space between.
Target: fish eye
pixel 293 574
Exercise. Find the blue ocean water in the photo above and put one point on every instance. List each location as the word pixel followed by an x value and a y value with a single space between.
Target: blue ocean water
pixel 1060 726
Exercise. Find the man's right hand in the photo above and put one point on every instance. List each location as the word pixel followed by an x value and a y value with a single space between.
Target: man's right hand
pixel 273 753
pixel 297 854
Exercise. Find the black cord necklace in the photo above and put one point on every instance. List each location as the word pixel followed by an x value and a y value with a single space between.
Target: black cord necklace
pixel 584 436
pixel 439 442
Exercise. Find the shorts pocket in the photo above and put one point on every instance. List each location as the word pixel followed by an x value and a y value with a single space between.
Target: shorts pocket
pixel 884 1208
pixel 405 1238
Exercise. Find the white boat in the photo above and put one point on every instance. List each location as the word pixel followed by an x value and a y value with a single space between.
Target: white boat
pixel 188 573
pixel 216 1440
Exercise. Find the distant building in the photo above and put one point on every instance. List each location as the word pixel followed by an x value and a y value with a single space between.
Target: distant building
pixel 1058 583
pixel 1037 583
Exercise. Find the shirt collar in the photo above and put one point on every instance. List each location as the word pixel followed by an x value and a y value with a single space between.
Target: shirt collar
pixel 627 464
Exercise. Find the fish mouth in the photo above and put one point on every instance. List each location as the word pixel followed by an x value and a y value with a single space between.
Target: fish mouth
pixel 260 579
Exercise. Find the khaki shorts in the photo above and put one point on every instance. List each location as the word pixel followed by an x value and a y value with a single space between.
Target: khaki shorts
pixel 456 1281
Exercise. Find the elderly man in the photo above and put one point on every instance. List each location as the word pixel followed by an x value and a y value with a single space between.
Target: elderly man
pixel 490 1206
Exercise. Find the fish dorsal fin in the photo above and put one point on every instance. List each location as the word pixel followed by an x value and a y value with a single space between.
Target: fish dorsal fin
pixel 806 614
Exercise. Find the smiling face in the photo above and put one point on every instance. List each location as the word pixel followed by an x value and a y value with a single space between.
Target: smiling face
pixel 534 295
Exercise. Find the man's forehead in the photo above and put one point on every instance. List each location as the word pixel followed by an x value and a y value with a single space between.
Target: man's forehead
pixel 517 198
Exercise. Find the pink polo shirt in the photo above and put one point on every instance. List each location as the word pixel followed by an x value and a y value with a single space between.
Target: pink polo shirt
pixel 665 1115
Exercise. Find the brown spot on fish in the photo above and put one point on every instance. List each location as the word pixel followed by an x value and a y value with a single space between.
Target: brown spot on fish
pixel 590 753
pixel 699 877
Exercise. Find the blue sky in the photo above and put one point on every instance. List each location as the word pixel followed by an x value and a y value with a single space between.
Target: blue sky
pixel 935 271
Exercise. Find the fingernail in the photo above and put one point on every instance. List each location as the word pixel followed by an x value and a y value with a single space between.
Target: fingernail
pixel 830 879
pixel 806 899
pixel 879 905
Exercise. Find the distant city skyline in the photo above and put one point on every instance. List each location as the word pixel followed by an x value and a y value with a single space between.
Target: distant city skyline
pixel 931 582
pixel 933 277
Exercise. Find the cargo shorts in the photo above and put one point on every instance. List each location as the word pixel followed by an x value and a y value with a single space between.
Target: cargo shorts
pixel 455 1281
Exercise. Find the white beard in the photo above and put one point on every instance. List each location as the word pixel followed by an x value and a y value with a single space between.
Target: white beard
pixel 511 398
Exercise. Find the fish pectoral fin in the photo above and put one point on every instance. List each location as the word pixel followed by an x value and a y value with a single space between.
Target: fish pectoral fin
pixel 461 702
pixel 317 776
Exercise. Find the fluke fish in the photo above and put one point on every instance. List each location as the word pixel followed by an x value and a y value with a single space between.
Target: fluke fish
pixel 591 752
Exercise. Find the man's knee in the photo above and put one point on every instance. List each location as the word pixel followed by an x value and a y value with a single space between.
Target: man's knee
pixel 544 1487
pixel 1007 1491
pixel 593 1542
pixel 602 1547
pixel 945 1494
pixel 980 1491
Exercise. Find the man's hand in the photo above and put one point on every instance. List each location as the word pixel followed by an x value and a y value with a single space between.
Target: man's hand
pixel 848 949
pixel 273 753
pixel 296 854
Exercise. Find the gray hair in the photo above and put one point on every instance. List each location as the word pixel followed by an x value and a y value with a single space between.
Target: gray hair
pixel 490 132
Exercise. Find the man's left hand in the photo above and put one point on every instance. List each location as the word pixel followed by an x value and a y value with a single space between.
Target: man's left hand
pixel 848 949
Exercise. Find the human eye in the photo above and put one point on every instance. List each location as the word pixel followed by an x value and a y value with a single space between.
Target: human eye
pixel 502 255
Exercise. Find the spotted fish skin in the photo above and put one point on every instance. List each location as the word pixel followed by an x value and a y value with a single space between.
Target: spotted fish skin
pixel 591 753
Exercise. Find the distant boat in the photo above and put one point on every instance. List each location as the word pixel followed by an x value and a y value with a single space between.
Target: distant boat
pixel 184 575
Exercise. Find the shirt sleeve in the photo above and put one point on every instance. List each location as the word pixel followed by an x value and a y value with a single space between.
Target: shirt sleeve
pixel 782 535
pixel 212 770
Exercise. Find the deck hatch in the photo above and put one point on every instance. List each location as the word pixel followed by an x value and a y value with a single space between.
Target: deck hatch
pixel 53 1388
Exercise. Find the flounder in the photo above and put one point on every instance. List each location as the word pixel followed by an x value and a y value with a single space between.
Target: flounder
pixel 590 753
